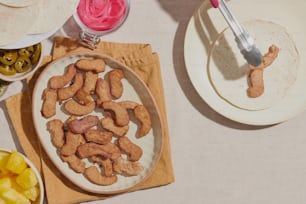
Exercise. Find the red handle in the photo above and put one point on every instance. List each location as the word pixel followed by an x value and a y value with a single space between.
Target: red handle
pixel 214 3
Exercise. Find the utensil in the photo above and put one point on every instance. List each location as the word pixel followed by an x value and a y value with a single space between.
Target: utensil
pixel 244 41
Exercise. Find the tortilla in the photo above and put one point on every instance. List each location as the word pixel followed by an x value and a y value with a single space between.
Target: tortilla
pixel 228 70
pixel 19 3
pixel 15 22
pixel 54 14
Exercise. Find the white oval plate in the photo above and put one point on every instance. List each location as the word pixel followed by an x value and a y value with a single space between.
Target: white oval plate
pixel 203 30
pixel 134 89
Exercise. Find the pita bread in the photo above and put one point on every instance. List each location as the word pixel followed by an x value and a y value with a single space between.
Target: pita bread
pixel 228 69
pixel 19 3
pixel 55 14
pixel 15 22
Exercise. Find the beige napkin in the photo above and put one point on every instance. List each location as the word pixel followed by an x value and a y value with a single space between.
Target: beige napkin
pixel 59 190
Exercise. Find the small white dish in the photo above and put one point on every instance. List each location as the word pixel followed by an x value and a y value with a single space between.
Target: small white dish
pixel 23 75
pixel 40 200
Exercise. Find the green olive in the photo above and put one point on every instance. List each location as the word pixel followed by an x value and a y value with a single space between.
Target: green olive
pixel 9 57
pixel 22 64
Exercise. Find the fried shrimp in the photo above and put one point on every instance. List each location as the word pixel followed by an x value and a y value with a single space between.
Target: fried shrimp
pixel 256 80
pixel 92 174
pixel 60 81
pixel 48 108
pixel 143 115
pixel 95 65
pixel 68 92
pixel 116 86
pixel 56 129
pixel 74 108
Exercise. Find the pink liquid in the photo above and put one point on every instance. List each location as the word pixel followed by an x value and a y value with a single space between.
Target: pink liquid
pixel 102 15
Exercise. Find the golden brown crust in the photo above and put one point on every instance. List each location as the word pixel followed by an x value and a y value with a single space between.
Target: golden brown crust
pixel 48 108
pixel 69 91
pixel 143 115
pixel 134 151
pixel 95 65
pixel 60 81
pixel 121 116
pixel 92 174
pixel 116 86
pixel 74 108
pixel 56 129
pixel 109 124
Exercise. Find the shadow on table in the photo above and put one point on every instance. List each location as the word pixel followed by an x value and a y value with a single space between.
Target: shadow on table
pixel 181 11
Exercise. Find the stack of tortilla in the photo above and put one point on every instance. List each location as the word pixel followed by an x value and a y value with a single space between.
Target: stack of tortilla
pixel 228 70
pixel 26 17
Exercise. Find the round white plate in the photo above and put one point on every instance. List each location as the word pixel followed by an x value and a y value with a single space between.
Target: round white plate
pixel 134 89
pixel 204 28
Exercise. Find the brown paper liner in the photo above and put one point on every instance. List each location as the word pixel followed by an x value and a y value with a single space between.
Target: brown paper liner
pixel 58 189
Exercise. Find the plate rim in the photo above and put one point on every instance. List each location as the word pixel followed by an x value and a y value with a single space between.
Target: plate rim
pixel 203 92
pixel 160 123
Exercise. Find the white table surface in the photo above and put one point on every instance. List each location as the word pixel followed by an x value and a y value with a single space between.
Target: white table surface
pixel 215 160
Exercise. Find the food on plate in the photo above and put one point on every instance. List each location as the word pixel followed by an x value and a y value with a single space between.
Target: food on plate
pixel 74 162
pixel 105 163
pixel 228 71
pixel 126 145
pixel 94 175
pixel 83 97
pixel 123 166
pixel 120 114
pixel 95 65
pixel 129 105
pixel 18 181
pixel 21 60
pixel 97 136
pixel 143 115
pixel 56 129
pixel 256 88
pixel 90 82
pixel 109 124
pixel 72 141
pixel 80 126
pixel 75 108
pixel 48 108
pixel 109 150
pixel 93 137
pixel 69 91
pixel 57 82
pixel 102 91
pixel 116 86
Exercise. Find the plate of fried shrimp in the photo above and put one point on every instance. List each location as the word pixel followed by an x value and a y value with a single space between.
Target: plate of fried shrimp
pixel 98 122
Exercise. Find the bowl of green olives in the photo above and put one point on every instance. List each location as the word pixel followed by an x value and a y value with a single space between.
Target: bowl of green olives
pixel 18 64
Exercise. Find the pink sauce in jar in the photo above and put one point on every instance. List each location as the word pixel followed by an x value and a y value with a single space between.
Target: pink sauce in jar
pixel 102 15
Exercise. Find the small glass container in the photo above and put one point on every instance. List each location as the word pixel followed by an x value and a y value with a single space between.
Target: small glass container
pixel 99 17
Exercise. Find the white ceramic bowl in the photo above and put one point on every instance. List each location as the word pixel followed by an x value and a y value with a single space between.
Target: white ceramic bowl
pixel 40 200
pixel 24 75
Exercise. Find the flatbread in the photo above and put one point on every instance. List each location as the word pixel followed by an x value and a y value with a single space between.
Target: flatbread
pixel 15 22
pixel 54 14
pixel 228 69
pixel 19 3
